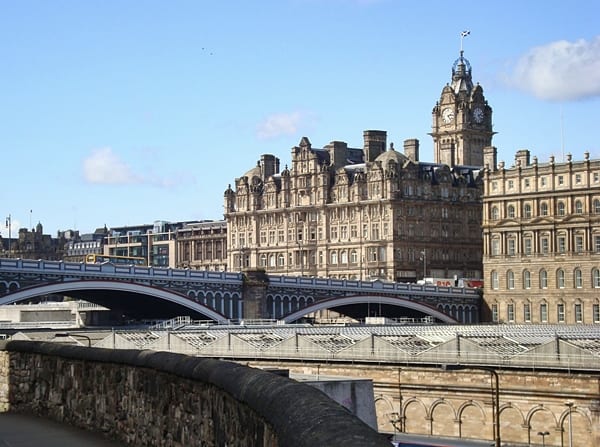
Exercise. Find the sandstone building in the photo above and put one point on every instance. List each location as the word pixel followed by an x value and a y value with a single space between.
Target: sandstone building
pixel 372 212
pixel 542 240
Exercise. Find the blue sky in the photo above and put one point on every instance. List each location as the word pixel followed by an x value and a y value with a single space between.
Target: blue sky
pixel 127 112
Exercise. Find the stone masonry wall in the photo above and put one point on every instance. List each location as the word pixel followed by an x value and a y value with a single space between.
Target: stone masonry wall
pixel 147 398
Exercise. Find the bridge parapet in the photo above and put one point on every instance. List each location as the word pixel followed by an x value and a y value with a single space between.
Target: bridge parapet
pixel 163 399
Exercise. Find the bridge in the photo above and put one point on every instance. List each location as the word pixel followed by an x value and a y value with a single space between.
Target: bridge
pixel 134 292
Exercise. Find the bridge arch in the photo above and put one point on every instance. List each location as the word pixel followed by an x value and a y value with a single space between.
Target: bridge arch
pixel 364 299
pixel 115 286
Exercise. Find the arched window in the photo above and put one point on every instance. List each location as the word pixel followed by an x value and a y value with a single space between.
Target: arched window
pixel 578 207
pixel 527 210
pixel 578 278
pixel 544 209
pixel 526 279
pixel 494 278
pixel 543 279
pixel 354 257
pixel 281 260
pixel 263 260
pixel 560 209
pixel 334 257
pixel 510 279
pixel 271 260
pixel 511 211
pixel 495 214
pixel 560 278
pixel 344 257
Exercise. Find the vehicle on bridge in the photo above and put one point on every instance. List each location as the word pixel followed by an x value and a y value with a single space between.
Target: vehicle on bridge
pixel 117 260
pixel 470 283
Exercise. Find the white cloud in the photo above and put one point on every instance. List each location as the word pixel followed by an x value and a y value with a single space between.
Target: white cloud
pixel 105 167
pixel 281 124
pixel 560 70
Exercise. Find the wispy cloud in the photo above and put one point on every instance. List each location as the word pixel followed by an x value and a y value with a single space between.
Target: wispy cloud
pixel 282 124
pixel 105 167
pixel 560 71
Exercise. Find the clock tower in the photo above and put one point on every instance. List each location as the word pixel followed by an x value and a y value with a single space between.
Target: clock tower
pixel 462 120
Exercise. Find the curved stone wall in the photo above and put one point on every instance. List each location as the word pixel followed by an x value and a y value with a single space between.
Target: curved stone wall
pixel 163 399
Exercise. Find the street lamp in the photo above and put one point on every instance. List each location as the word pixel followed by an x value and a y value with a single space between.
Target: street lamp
pixel 570 405
pixel 543 434
pixel 67 334
pixel 495 394
pixel 9 226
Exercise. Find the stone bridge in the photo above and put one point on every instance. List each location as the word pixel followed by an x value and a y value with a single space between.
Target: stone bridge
pixel 148 292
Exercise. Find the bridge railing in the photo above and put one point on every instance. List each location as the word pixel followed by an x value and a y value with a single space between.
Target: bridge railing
pixel 108 269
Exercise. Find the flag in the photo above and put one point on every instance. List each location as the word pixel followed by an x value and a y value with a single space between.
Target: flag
pixel 465 33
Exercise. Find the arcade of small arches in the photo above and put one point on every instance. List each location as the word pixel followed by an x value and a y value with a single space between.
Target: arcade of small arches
pixel 469 418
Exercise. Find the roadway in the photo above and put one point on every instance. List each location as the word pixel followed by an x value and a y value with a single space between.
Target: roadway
pixel 20 430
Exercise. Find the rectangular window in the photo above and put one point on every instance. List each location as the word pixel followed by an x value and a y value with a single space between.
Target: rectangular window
pixel 578 313
pixel 527 312
pixel 495 313
pixel 527 246
pixel 544 313
pixel 597 244
pixel 511 247
pixel 596 177
pixel 510 312
pixel 526 183
pixel 511 184
pixel 578 244
pixel 543 181
pixel 596 310
pixel 561 180
pixel 578 178
pixel 562 246
pixel 560 313
pixel 545 245
pixel 495 247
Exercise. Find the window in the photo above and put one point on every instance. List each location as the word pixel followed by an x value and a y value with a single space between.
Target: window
pixel 578 178
pixel 495 215
pixel 263 260
pixel 527 312
pixel 527 246
pixel 543 181
pixel 527 279
pixel 510 279
pixel 561 180
pixel 344 257
pixel 597 244
pixel 596 278
pixel 596 177
pixel 578 244
pixel 544 312
pixel 560 209
pixel 544 245
pixel 596 311
pixel 543 279
pixel 281 260
pixel 526 182
pixel 562 244
pixel 544 209
pixel 560 279
pixel 495 247
pixel 578 313
pixel 495 313
pixel 511 211
pixel 511 184
pixel 560 312
pixel 510 312
pixel 527 210
pixel 511 247
pixel 495 280
pixel 578 207
pixel 578 279
pixel 334 257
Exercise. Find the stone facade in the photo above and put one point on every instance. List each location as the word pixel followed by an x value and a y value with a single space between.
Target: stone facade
pixel 541 228
pixel 162 399
pixel 430 401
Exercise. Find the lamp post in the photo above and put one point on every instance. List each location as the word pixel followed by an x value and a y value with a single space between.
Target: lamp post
pixel 424 259
pixel 9 225
pixel 570 406
pixel 543 434
pixel 495 387
pixel 67 334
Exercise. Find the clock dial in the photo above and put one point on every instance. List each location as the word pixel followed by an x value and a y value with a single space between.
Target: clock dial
pixel 447 115
pixel 478 115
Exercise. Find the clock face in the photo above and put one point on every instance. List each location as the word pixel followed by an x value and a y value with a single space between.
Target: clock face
pixel 447 115
pixel 478 115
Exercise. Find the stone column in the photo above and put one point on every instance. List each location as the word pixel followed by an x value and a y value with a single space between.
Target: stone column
pixel 254 294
